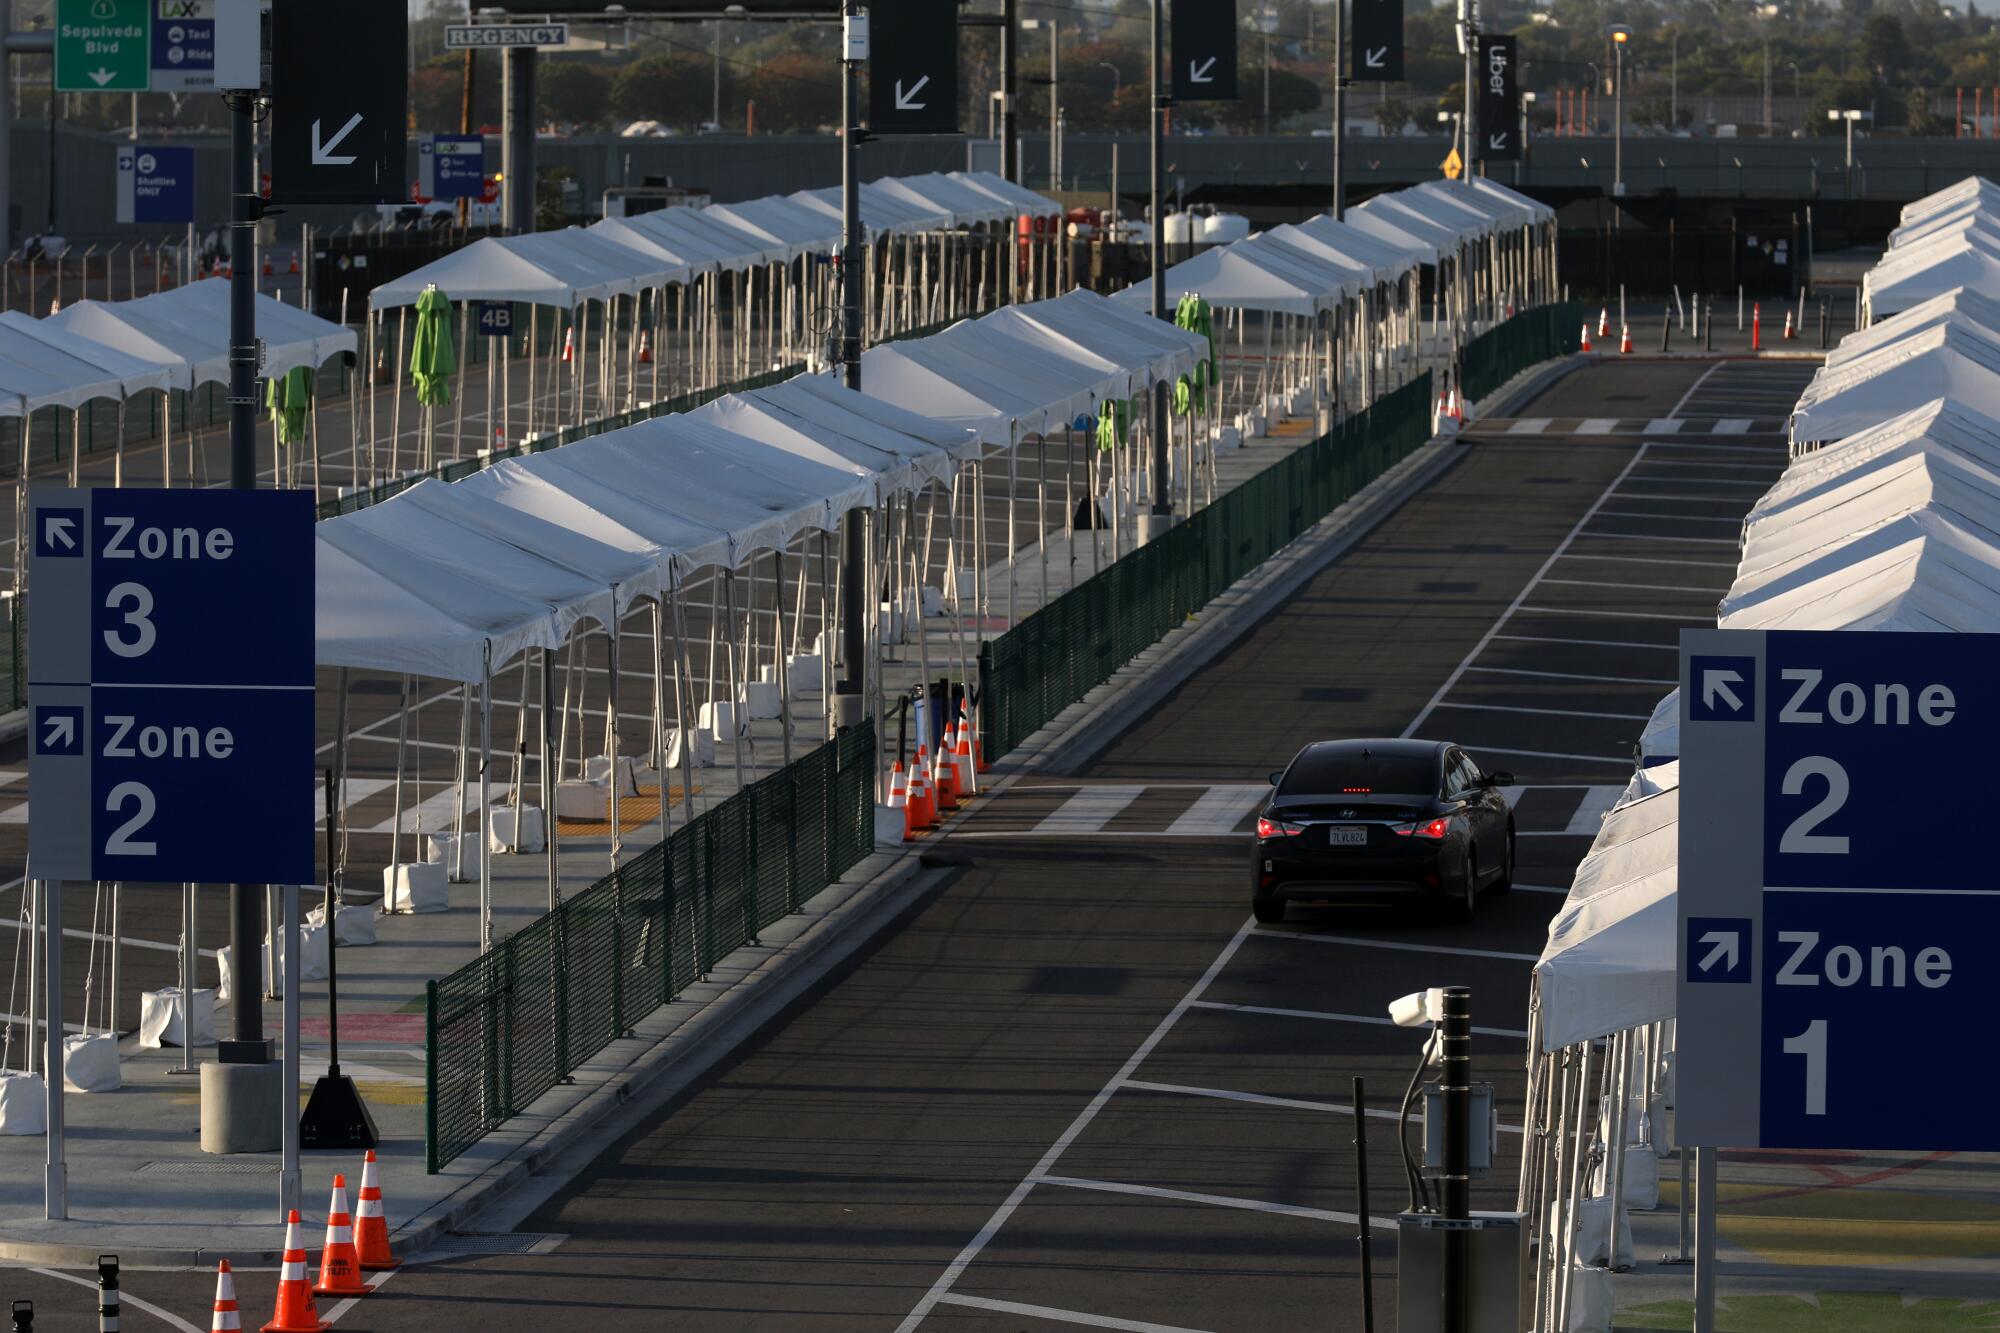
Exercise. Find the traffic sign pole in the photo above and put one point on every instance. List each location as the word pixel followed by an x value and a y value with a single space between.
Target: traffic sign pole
pixel 1155 523
pixel 55 1187
pixel 849 703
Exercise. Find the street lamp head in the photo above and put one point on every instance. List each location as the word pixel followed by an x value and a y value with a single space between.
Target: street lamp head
pixel 1619 33
pixel 1527 97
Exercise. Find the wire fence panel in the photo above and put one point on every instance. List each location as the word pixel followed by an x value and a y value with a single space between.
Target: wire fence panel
pixel 1063 651
pixel 1529 338
pixel 510 1025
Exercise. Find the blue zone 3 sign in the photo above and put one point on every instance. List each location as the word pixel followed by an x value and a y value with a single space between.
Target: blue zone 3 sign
pixel 171 686
pixel 1834 941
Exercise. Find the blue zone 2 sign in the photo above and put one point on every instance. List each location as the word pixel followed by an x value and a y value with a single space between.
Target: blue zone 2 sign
pixel 170 682
pixel 1835 941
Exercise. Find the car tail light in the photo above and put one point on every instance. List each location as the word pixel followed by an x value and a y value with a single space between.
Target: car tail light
pixel 1434 830
pixel 1274 828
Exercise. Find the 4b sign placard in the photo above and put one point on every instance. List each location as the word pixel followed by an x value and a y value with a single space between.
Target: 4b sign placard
pixel 170 686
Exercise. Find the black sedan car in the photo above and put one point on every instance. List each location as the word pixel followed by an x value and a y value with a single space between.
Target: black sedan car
pixel 1350 819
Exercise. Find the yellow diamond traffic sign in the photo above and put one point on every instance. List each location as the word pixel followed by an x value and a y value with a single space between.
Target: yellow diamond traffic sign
pixel 1454 165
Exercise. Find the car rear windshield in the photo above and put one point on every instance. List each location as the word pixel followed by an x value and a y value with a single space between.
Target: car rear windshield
pixel 1359 774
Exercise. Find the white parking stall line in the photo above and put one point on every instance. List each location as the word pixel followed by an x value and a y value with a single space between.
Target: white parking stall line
pixel 1322 1016
pixel 353 791
pixel 1055 1316
pixel 1404 946
pixel 1601 557
pixel 1596 804
pixel 1219 810
pixel 1529 426
pixel 15 814
pixel 1088 810
pixel 1548 712
pixel 1695 388
pixel 1586 643
pixel 1616 761
pixel 128 941
pixel 173 1321
pixel 1598 426
pixel 1642 587
pixel 1213 1200
pixel 1773 452
pixel 1097 1103
pixel 12 776
pixel 1652 537
pixel 1670 518
pixel 1680 499
pixel 1732 426
pixel 1575 675
pixel 436 814
pixel 1618 615
pixel 1423 715
pixel 1746 483
pixel 1774 466
pixel 1285 1103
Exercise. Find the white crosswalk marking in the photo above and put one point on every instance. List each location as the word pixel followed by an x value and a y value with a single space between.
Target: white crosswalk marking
pixel 1589 815
pixel 1089 810
pixel 12 776
pixel 1219 809
pixel 15 814
pixel 1663 426
pixel 1732 426
pixel 435 814
pixel 1598 426
pixel 1529 426
pixel 353 791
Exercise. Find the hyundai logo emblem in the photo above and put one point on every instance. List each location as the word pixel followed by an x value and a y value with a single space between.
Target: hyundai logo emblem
pixel 1347 814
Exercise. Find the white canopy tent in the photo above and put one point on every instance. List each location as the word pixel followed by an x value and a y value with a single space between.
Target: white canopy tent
pixel 558 268
pixel 186 330
pixel 42 365
pixel 1971 189
pixel 1235 277
pixel 1960 259
pixel 1944 361
pixel 1959 305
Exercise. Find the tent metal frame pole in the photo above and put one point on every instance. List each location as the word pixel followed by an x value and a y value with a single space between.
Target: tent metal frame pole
pixel 551 775
pixel 486 796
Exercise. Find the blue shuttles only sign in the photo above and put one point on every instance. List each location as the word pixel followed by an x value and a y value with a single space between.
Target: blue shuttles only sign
pixel 170 686
pixel 1835 940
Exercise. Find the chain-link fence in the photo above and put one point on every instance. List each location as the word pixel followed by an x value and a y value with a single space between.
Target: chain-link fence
pixel 508 1026
pixel 1055 656
pixel 1528 339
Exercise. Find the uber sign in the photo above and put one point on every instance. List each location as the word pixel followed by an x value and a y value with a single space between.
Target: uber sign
pixel 171 673
pixel 1834 940
pixel 1204 51
pixel 339 91
pixel 1378 42
pixel 913 67
pixel 1499 100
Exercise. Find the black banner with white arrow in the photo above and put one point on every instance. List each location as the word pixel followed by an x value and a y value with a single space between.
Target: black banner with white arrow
pixel 340 102
pixel 1377 48
pixel 913 67
pixel 1499 99
pixel 1204 51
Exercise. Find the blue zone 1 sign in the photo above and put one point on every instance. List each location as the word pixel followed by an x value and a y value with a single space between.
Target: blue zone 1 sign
pixel 170 680
pixel 1833 938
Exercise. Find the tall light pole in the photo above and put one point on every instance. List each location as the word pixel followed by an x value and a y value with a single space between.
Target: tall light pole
pixel 1849 116
pixel 1456 119
pixel 1674 85
pixel 1010 161
pixel 1156 522
pixel 1597 87
pixel 1267 23
pixel 1339 108
pixel 1468 43
pixel 1620 35
pixel 1521 162
pixel 1055 98
pixel 715 111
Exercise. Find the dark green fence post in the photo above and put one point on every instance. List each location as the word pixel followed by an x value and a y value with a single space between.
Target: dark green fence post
pixel 618 1023
pixel 431 1162
pixel 755 831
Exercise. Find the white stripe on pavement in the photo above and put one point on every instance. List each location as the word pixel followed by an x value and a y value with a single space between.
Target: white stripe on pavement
pixel 1404 946
pixel 1590 813
pixel 1731 426
pixel 1318 1015
pixel 1220 809
pixel 1088 810
pixel 1056 1316
pixel 1529 426
pixel 1598 426
pixel 1214 1200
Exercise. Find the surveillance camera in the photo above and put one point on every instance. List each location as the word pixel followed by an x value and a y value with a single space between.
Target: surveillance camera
pixel 1418 1008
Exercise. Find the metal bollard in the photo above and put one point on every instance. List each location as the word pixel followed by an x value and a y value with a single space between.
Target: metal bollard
pixel 1708 330
pixel 1666 330
pixel 107 1293
pixel 24 1317
pixel 1824 319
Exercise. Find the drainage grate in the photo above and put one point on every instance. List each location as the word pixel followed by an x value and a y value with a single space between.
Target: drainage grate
pixel 209 1169
pixel 496 1242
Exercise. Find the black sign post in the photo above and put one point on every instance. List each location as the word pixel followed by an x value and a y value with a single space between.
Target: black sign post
pixel 1204 51
pixel 912 67
pixel 1499 99
pixel 340 97
pixel 1378 41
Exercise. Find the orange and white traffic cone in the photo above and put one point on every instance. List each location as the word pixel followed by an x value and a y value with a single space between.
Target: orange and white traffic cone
pixel 268 269
pixel 979 764
pixel 646 348
pixel 569 345
pixel 922 814
pixel 371 1226
pixel 296 1312
pixel 1604 321
pixel 339 1264
pixel 947 775
pixel 962 769
pixel 899 798
pixel 1586 337
pixel 1625 341
pixel 294 267
pixel 228 1319
pixel 1757 327
pixel 382 374
pixel 1789 335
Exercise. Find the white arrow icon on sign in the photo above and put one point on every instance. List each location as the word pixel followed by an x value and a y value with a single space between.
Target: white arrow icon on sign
pixel 1715 684
pixel 904 100
pixel 1497 142
pixel 322 153
pixel 61 733
pixel 101 76
pixel 1202 73
pixel 57 532
pixel 1724 950
pixel 1377 57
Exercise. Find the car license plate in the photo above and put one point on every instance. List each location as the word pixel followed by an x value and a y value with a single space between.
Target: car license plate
pixel 1346 836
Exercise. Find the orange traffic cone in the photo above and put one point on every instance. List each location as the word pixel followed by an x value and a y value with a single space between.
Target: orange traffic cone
pixel 962 768
pixel 947 778
pixel 339 1264
pixel 1789 335
pixel 295 1312
pixel 899 798
pixel 979 764
pixel 382 372
pixel 569 345
pixel 923 812
pixel 1604 321
pixel 646 348
pixel 1757 327
pixel 294 268
pixel 1586 337
pixel 227 1318
pixel 268 269
pixel 371 1227
pixel 1625 341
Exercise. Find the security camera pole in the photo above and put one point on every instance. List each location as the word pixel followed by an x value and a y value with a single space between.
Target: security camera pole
pixel 849 699
pixel 1455 1083
pixel 1156 522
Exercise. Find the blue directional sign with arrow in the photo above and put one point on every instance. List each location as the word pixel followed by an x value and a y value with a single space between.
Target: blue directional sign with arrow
pixel 912 67
pixel 1831 950
pixel 171 684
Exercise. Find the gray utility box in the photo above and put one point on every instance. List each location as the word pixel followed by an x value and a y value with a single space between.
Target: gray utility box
pixel 1485 1145
pixel 1499 1297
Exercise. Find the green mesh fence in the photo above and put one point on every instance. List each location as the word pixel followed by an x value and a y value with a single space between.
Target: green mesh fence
pixel 1531 337
pixel 505 1028
pixel 1055 656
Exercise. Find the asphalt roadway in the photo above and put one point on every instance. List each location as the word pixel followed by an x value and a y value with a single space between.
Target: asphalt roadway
pixel 1075 1086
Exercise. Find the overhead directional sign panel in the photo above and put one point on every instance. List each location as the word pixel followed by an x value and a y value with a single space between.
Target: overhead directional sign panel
pixel 1204 51
pixel 340 91
pixel 1831 948
pixel 155 184
pixel 1377 45
pixel 913 67
pixel 171 686
pixel 103 46
pixel 487 36
pixel 183 50
pixel 1499 99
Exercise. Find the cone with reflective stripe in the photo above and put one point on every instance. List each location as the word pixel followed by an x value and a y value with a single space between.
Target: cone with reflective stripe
pixel 947 779
pixel 295 1312
pixel 569 345
pixel 923 813
pixel 646 348
pixel 339 1265
pixel 1604 321
pixel 1625 341
pixel 961 769
pixel 227 1318
pixel 371 1227
pixel 899 799
pixel 969 721
pixel 1586 337
pixel 1789 335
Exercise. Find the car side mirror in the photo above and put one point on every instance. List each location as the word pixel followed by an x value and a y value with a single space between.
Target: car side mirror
pixel 1276 777
pixel 1502 778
